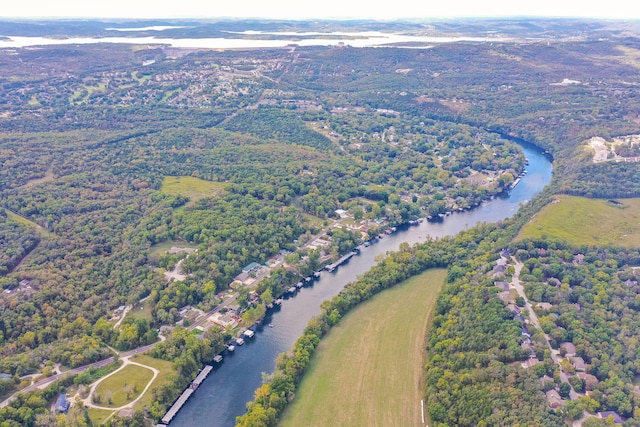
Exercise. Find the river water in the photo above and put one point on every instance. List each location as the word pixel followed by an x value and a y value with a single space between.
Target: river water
pixel 224 394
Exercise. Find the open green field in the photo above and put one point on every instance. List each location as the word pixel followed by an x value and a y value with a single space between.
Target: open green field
pixel 578 221
pixel 161 248
pixel 132 379
pixel 141 310
pixel 368 370
pixel 99 416
pixel 26 222
pixel 194 188
pixel 164 377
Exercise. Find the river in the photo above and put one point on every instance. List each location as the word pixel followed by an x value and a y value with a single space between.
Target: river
pixel 224 394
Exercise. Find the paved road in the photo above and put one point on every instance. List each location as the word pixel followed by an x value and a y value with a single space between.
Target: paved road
pixel 515 281
pixel 43 383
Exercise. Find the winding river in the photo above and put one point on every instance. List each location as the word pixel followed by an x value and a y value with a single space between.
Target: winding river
pixel 224 394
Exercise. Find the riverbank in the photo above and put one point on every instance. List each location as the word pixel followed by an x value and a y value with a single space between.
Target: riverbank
pixel 222 397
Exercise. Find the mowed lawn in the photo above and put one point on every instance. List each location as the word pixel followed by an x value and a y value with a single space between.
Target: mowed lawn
pixel 123 386
pixel 368 370
pixel 194 188
pixel 579 220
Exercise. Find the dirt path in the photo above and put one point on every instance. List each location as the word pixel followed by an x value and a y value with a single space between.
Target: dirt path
pixel 87 402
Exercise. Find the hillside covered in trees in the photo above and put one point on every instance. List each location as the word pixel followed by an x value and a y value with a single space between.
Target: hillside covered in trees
pixel 89 133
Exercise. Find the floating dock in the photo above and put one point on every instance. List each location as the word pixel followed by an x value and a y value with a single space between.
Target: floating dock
pixel 342 260
pixel 177 405
pixel 201 376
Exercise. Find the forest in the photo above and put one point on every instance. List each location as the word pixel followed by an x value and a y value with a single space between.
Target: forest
pixel 389 135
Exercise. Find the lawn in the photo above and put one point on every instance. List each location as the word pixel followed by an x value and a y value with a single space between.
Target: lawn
pixel 131 379
pixel 368 370
pixel 579 221
pixel 99 416
pixel 166 372
pixel 26 222
pixel 194 188
pixel 141 310
pixel 162 248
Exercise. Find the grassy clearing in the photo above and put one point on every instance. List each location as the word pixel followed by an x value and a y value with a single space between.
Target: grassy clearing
pixel 99 416
pixel 368 370
pixel 123 386
pixel 161 248
pixel 578 221
pixel 164 377
pixel 194 188
pixel 24 221
pixel 141 311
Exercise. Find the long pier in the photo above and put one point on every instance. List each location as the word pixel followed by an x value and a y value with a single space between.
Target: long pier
pixel 342 260
pixel 186 394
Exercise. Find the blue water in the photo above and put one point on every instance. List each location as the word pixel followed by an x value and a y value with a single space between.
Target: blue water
pixel 224 394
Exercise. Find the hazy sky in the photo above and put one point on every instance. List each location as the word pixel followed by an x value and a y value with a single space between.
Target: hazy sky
pixel 300 9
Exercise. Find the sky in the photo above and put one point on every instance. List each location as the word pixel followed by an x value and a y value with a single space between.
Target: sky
pixel 325 9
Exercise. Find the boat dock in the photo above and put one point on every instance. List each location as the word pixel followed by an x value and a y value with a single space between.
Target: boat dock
pixel 201 376
pixel 342 260
pixel 186 394
pixel 177 405
pixel 514 183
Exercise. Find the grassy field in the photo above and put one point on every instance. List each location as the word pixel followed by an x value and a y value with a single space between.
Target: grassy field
pixel 99 416
pixel 166 372
pixel 578 221
pixel 145 313
pixel 368 370
pixel 135 377
pixel 194 188
pixel 24 221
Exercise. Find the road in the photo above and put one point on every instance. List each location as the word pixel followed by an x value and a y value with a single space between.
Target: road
pixel 515 281
pixel 43 383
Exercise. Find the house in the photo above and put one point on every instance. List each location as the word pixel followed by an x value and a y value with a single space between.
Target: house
pixel 224 320
pixel 569 348
pixel 578 259
pixel 498 270
pixel 504 296
pixel 554 399
pixel 253 267
pixel 617 419
pixel 544 305
pixel 514 308
pixel 578 364
pixel 503 285
pixel 530 362
pixel 590 381
pixel 62 404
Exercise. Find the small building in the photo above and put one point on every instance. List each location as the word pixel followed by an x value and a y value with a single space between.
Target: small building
pixel 253 267
pixel 617 419
pixel 502 285
pixel 62 404
pixel 569 348
pixel 544 305
pixel 554 399
pixel 530 362
pixel 578 364
pixel 590 381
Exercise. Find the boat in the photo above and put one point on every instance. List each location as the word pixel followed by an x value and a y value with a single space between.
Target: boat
pixel 239 341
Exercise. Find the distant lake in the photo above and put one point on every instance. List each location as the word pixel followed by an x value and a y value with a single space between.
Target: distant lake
pixel 280 39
